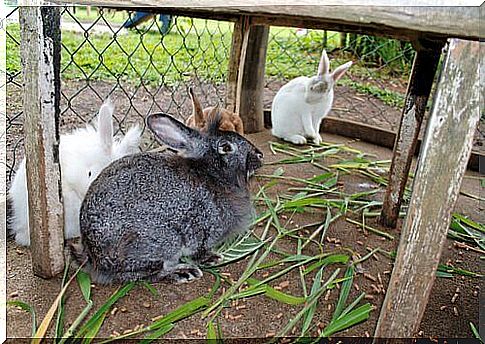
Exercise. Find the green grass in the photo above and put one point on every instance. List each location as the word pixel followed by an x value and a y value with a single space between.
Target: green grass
pixel 193 47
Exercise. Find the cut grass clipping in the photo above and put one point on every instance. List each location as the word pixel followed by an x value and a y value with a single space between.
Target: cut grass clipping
pixel 262 253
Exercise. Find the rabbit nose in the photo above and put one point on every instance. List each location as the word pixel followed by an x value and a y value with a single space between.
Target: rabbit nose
pixel 259 155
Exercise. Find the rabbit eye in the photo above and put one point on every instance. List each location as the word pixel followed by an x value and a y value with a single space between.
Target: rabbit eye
pixel 225 148
pixel 89 174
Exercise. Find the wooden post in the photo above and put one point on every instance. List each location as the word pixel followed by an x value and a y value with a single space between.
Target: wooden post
pixel 419 88
pixel 343 40
pixel 3 187
pixel 40 54
pixel 249 98
pixel 446 148
pixel 240 31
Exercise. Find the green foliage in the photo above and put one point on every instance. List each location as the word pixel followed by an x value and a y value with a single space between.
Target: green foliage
pixel 199 47
pixel 379 51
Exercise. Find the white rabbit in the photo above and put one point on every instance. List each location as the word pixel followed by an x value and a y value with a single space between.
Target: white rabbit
pixel 300 105
pixel 83 154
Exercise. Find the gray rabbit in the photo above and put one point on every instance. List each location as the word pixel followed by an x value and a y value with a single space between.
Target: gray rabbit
pixel 146 211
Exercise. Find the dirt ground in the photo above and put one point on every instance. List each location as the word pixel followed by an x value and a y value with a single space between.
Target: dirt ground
pixel 259 316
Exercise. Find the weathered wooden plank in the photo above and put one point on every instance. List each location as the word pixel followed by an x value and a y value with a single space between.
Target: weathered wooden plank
pixel 446 148
pixel 395 21
pixel 249 99
pixel 419 87
pixel 40 54
pixel 240 30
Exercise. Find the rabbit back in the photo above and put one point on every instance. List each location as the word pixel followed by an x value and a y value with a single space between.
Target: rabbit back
pixel 173 210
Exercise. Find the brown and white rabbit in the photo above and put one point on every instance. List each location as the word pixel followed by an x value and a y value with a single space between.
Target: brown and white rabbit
pixel 230 121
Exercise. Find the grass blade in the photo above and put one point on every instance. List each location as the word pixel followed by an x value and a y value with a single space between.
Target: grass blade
pixel 151 289
pixel 92 326
pixel 312 301
pixel 27 308
pixel 59 328
pixel 276 294
pixel 308 317
pixel 84 282
pixel 44 325
pixel 332 259
pixel 157 333
pixel 344 292
pixel 350 319
pixel 475 332
pixel 165 322
pixel 211 332
pixel 70 331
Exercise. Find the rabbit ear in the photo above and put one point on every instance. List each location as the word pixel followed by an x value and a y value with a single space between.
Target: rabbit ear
pixel 214 120
pixel 340 71
pixel 168 131
pixel 197 112
pixel 324 65
pixel 130 143
pixel 105 125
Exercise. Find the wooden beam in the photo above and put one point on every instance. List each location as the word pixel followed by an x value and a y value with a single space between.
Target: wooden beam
pixel 239 32
pixel 446 149
pixel 40 54
pixel 249 99
pixel 419 88
pixel 403 22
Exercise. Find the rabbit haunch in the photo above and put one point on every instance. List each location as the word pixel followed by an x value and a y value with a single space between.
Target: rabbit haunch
pixel 83 153
pixel 144 212
pixel 300 105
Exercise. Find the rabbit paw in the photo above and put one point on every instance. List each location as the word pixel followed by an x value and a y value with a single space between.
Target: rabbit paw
pixel 185 273
pixel 297 139
pixel 209 259
pixel 317 139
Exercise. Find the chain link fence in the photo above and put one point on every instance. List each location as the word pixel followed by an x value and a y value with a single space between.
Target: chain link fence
pixel 149 67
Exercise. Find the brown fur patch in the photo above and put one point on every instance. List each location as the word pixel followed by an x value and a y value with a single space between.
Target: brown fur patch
pixel 230 121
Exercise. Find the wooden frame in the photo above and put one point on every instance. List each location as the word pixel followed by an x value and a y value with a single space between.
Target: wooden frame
pixel 432 25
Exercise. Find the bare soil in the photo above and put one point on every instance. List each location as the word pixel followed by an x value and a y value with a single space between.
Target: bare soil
pixel 259 316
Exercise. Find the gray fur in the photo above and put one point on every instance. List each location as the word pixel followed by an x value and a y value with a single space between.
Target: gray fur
pixel 145 211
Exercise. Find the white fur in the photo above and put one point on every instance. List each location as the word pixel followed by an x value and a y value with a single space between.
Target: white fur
pixel 83 154
pixel 300 105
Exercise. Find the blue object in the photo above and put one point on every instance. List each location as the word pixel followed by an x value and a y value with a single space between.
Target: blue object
pixel 140 17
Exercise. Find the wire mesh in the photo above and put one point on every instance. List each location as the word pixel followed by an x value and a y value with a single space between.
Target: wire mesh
pixel 148 68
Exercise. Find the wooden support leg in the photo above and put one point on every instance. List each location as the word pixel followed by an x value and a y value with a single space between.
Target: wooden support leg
pixel 239 37
pixel 446 149
pixel 40 54
pixel 249 100
pixel 3 188
pixel 419 88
